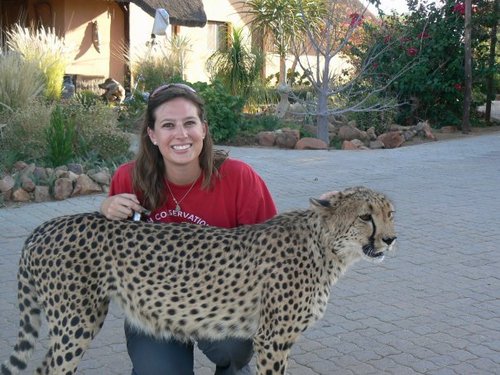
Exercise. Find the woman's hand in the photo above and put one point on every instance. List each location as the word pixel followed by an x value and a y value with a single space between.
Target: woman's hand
pixel 120 206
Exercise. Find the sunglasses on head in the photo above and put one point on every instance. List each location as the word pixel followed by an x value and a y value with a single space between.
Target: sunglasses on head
pixel 169 85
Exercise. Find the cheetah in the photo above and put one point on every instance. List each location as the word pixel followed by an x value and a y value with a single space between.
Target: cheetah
pixel 268 281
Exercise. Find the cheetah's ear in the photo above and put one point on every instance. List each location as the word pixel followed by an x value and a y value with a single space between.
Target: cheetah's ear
pixel 320 202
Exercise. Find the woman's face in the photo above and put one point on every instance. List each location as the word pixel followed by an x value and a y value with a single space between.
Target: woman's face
pixel 178 132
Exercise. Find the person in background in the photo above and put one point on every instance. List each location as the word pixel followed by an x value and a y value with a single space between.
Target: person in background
pixel 178 176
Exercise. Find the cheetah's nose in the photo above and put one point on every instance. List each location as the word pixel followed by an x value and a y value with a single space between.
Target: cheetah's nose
pixel 389 240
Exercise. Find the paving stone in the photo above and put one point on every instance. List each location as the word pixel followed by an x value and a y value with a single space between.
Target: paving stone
pixel 433 307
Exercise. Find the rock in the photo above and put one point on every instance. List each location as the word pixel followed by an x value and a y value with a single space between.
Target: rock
pixel 61 168
pixel 61 173
pixel 27 171
pixel 20 165
pixel 391 139
pixel 333 130
pixel 425 130
pixel 397 127
pixel 101 177
pixel 266 139
pixel 42 193
pixel 287 138
pixel 409 134
pixel 75 168
pixel 7 196
pixel 27 184
pixel 310 130
pixel 40 174
pixel 376 145
pixel 63 187
pixel 348 145
pixel 337 121
pixel 308 143
pixel 372 135
pixel 6 183
pixel 354 144
pixel 428 132
pixel 85 185
pixel 72 176
pixel 21 195
pixel 348 133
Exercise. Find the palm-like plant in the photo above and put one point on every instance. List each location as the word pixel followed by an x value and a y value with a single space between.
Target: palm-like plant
pixel 236 66
pixel 285 22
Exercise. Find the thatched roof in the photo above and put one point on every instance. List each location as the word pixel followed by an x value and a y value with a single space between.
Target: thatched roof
pixel 182 12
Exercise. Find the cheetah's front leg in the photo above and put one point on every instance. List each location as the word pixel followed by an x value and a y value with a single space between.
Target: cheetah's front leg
pixel 272 354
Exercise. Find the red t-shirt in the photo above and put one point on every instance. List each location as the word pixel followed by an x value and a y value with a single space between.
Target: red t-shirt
pixel 239 196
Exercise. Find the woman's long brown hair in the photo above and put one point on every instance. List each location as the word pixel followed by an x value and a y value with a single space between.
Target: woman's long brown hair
pixel 149 173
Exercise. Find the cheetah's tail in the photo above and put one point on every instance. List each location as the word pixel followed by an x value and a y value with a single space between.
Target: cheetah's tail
pixel 29 325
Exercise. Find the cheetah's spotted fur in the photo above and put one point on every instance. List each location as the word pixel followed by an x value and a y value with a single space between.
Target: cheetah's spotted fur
pixel 268 281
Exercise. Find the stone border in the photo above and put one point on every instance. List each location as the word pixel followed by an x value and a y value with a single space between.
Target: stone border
pixel 29 183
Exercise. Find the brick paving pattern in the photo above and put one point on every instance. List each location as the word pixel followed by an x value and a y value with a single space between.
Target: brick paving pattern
pixel 433 307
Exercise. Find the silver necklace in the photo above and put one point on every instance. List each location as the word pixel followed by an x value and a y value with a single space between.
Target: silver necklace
pixel 178 202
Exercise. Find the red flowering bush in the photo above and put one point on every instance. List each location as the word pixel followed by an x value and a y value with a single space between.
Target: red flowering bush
pixel 356 19
pixel 459 8
pixel 412 51
pixel 432 37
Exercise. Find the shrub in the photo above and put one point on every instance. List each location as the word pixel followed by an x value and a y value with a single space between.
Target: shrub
pixel 96 128
pixel 253 124
pixel 223 110
pixel 433 88
pixel 109 144
pixel 21 83
pixel 161 63
pixel 380 120
pixel 60 137
pixel 87 98
pixel 24 135
pixel 44 47
pixel 131 112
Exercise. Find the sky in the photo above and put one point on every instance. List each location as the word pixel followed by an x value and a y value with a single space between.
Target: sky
pixel 398 5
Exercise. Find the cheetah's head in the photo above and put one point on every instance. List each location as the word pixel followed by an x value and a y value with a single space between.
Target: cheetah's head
pixel 357 223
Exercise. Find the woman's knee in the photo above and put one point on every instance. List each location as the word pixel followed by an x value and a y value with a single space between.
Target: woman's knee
pixel 232 351
pixel 151 356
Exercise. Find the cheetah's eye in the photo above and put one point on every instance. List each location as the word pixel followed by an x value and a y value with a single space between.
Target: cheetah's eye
pixel 366 217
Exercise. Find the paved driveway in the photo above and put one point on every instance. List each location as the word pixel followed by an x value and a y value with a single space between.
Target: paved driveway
pixel 431 308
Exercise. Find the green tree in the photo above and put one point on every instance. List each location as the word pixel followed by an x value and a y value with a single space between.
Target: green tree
pixel 284 21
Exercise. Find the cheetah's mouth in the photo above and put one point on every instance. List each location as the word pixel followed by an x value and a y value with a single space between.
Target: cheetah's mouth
pixel 370 251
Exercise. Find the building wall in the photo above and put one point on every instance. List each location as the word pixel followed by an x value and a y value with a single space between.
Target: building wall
pixel 218 11
pixel 88 61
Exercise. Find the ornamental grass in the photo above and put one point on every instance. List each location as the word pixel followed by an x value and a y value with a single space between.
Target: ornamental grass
pixel 43 46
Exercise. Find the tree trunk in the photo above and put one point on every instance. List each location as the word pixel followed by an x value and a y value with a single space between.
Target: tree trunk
pixel 491 63
pixel 283 88
pixel 467 68
pixel 322 110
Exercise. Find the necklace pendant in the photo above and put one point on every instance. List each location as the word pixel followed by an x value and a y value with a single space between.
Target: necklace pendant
pixel 177 207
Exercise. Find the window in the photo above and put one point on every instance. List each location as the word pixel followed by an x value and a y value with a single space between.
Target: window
pixel 217 35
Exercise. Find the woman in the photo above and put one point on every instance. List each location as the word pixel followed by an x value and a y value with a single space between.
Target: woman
pixel 178 177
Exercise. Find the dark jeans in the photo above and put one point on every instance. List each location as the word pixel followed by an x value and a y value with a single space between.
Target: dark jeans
pixel 151 356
